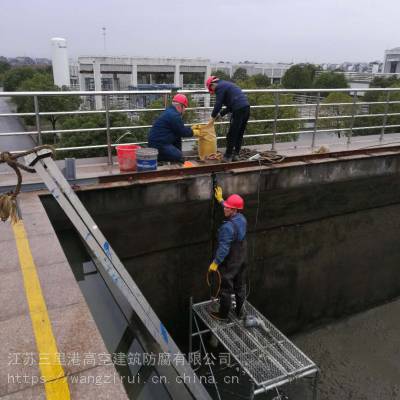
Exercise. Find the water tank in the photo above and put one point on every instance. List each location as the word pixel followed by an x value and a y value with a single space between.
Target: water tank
pixel 60 62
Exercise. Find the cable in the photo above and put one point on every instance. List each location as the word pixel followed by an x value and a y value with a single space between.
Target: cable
pixel 209 284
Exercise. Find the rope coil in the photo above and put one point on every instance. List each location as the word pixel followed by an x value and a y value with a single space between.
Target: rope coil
pixel 8 201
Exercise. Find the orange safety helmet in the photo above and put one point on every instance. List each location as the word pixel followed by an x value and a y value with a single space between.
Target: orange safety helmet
pixel 210 80
pixel 234 201
pixel 181 99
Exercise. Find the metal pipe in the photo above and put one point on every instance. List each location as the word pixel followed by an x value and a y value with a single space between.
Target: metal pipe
pixel 190 326
pixel 109 148
pixel 37 119
pixel 385 116
pixel 284 382
pixel 353 112
pixel 315 121
pixel 276 114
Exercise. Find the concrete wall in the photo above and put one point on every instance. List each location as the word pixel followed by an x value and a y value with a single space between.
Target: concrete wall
pixel 323 237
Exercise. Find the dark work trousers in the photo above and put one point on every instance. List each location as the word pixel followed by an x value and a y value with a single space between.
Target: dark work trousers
pixel 233 277
pixel 171 152
pixel 234 138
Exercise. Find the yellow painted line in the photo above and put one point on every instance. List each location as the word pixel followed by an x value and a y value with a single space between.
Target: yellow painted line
pixel 51 370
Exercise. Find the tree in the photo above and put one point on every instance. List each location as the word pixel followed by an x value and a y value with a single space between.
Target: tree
pixel 336 111
pixel 240 75
pixel 44 82
pixel 15 76
pixel 222 75
pixel 77 139
pixel 117 136
pixel 382 96
pixel 330 80
pixel 4 66
pixel 261 81
pixel 299 76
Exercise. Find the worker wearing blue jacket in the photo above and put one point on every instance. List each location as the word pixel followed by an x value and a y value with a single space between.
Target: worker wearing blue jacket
pixel 168 130
pixel 236 103
pixel 231 256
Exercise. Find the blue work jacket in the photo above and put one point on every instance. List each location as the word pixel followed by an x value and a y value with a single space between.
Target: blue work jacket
pixel 168 128
pixel 230 96
pixel 226 235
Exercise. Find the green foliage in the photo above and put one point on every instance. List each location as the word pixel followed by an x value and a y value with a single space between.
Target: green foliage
pixel 261 81
pixel 330 80
pixel 380 82
pixel 240 75
pixel 44 82
pixel 83 138
pixel 14 77
pixel 299 76
pixel 328 110
pixel 267 113
pixel 381 96
pixel 4 66
pixel 117 136
pixel 222 75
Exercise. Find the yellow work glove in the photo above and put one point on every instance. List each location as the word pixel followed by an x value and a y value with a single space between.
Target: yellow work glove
pixel 218 194
pixel 196 131
pixel 213 267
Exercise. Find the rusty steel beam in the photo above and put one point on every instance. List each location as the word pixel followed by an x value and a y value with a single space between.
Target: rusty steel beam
pixel 222 167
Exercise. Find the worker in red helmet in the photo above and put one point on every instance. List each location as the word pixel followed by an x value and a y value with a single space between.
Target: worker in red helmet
pixel 168 130
pixel 236 103
pixel 231 256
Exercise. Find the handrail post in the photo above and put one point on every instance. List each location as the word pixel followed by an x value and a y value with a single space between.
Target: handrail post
pixel 165 100
pixel 37 118
pixel 109 148
pixel 353 113
pixel 276 114
pixel 316 120
pixel 384 122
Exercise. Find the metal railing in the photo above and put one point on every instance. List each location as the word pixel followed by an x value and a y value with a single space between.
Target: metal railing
pixel 345 111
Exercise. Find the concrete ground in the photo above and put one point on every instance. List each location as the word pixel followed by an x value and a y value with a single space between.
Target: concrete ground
pixel 12 124
pixel 359 357
pixel 25 308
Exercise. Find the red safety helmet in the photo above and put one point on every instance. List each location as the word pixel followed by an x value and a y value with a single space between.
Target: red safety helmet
pixel 234 201
pixel 210 80
pixel 181 99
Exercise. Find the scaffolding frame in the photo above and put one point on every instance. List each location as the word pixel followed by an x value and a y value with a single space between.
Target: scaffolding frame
pixel 264 353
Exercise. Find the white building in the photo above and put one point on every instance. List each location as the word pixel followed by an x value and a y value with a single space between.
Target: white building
pixel 60 62
pixel 273 71
pixel 392 61
pixel 124 73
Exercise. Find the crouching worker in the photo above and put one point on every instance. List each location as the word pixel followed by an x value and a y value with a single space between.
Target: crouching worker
pixel 231 256
pixel 168 130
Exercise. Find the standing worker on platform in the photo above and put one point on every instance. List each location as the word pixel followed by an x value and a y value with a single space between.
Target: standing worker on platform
pixel 231 255
pixel 168 130
pixel 231 96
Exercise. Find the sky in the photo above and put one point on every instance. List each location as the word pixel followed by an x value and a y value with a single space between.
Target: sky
pixel 222 30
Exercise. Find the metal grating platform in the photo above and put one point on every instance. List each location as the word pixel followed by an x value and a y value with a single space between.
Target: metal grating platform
pixel 268 357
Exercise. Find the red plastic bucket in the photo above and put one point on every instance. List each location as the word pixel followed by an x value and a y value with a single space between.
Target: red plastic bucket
pixel 126 154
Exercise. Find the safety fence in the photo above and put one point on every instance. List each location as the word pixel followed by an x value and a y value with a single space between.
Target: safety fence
pixel 276 114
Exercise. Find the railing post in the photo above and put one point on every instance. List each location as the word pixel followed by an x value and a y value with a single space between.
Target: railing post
pixel 276 114
pixel 353 113
pixel 37 117
pixel 384 122
pixel 109 148
pixel 316 120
